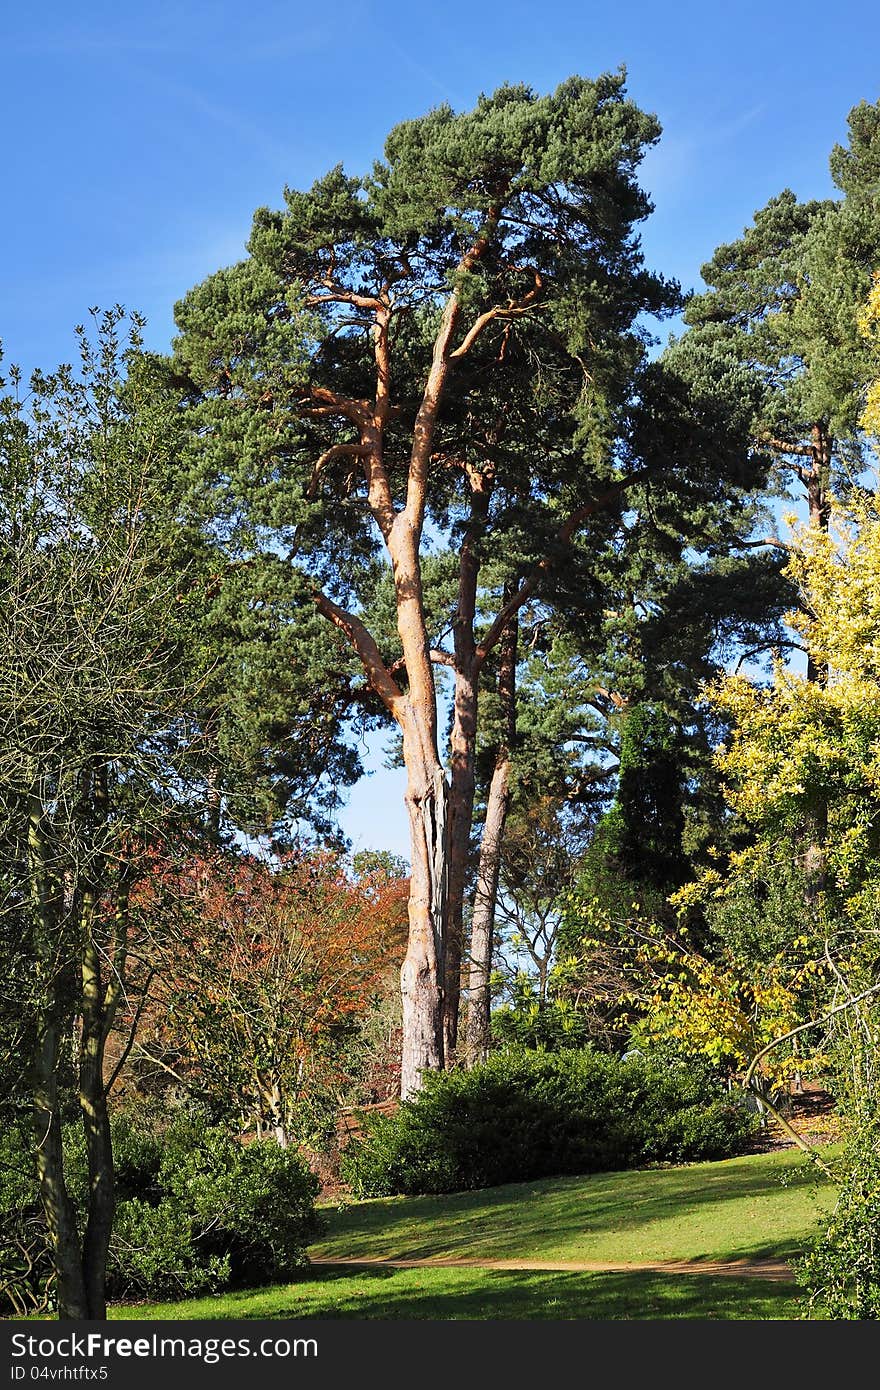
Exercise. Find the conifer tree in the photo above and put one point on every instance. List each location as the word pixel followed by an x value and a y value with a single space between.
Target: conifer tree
pixel 428 391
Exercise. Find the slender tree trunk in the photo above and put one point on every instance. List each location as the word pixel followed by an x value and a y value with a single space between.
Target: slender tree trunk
pixel 483 917
pixel 543 978
pixel 272 1104
pixel 463 753
pixel 817 480
pixel 57 1206
pixel 96 1129
pixel 51 1014
pixel 214 805
pixel 99 998
pixel 461 815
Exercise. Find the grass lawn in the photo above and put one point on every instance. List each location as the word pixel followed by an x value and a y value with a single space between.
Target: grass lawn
pixel 491 1294
pixel 741 1208
pixel 745 1208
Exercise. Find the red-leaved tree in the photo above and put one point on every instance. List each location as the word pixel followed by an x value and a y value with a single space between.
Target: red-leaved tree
pixel 260 976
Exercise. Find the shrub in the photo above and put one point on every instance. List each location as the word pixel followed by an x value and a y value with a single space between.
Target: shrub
pixel 199 1211
pixel 841 1270
pixel 196 1212
pixel 525 1114
pixel 155 1251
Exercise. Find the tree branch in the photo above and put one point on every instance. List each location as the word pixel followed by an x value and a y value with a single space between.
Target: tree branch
pixel 132 1034
pixel 512 311
pixel 373 435
pixel 335 451
pixel 783 447
pixel 331 403
pixel 766 540
pixel 362 640
pixel 799 1140
pixel 813 1023
pixel 426 419
pixel 337 295
pixel 793 1032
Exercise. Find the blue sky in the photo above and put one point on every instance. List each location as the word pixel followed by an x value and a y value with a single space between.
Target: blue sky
pixel 140 137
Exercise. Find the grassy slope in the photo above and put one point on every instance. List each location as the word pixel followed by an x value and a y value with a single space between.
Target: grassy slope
pixel 765 1204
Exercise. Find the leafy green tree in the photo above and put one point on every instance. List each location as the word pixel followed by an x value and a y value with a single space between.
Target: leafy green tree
pixel 274 708
pixel 772 973
pixel 841 1270
pixel 783 303
pixel 140 684
pixel 641 834
pixel 94 628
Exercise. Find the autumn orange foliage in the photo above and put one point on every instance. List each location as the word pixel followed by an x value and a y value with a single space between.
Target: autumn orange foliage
pixel 260 975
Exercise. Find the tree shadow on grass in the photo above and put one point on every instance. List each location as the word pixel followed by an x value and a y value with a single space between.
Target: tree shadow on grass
pixel 544 1217
pixel 490 1294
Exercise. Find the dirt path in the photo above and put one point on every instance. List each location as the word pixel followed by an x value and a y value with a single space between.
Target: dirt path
pixel 748 1269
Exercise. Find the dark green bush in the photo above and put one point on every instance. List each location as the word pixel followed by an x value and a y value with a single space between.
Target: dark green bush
pixel 526 1114
pixel 196 1212
pixel 157 1251
pixel 841 1270
pixel 199 1211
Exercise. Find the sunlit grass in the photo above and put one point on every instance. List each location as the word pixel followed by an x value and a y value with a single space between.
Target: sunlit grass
pixel 762 1205
pixel 453 1294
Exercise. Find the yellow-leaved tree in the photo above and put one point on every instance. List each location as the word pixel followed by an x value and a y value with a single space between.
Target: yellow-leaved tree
pixel 788 945
pixel 797 746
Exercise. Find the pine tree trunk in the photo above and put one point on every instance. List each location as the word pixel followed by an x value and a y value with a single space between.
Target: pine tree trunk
pixel 421 976
pixel 463 752
pixel 483 918
pixel 461 814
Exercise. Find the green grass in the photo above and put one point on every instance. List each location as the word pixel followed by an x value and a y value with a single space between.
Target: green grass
pixel 761 1205
pixel 454 1294
pixel 742 1208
